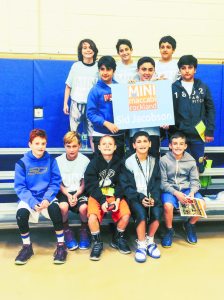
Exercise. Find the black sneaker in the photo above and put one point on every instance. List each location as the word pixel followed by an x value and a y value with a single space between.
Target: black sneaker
pixel 60 254
pixel 96 251
pixel 24 255
pixel 119 242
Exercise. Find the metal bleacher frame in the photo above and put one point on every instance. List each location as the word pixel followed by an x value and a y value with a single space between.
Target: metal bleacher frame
pixel 215 209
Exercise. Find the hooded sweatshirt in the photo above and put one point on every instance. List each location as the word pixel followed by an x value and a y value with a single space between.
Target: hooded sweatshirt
pixel 36 179
pixel 177 175
pixel 101 173
pixel 189 110
pixel 99 107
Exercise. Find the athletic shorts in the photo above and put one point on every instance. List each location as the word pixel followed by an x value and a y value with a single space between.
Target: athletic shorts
pixel 82 199
pixel 77 115
pixel 169 198
pixel 94 207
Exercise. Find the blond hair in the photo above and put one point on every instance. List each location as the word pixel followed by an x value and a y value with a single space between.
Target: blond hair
pixel 72 136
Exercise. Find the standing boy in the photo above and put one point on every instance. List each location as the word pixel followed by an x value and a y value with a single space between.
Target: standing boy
pixel 179 180
pixel 37 182
pixel 166 66
pixel 82 76
pixel 140 180
pixel 126 68
pixel 193 105
pixel 105 194
pixel 99 106
pixel 72 166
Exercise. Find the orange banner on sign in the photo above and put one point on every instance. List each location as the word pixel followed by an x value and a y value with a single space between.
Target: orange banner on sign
pixel 142 97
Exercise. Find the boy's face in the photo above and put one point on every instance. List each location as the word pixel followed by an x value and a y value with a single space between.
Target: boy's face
pixel 146 71
pixel 87 52
pixel 166 51
pixel 142 145
pixel 38 146
pixel 107 146
pixel 106 74
pixel 72 150
pixel 178 146
pixel 125 53
pixel 187 73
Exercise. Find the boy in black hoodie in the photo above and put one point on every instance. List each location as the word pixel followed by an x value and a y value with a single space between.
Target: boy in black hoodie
pixel 141 180
pixel 105 194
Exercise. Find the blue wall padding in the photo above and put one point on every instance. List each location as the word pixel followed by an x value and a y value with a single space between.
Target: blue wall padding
pixel 212 75
pixel 49 86
pixel 16 102
pixel 26 84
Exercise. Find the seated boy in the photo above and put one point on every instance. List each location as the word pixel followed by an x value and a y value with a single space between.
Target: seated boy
pixel 37 182
pixel 140 181
pixel 100 109
pixel 105 194
pixel 72 166
pixel 179 180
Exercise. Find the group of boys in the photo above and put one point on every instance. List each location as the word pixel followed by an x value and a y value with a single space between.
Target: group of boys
pixel 105 184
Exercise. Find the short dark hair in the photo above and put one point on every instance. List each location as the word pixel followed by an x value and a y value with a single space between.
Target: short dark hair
pixel 177 135
pixel 168 39
pixel 187 60
pixel 37 133
pixel 123 42
pixel 138 134
pixel 108 61
pixel 107 135
pixel 145 59
pixel 92 46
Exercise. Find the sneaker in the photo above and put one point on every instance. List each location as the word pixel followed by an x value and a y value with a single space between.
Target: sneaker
pixel 190 233
pixel 60 254
pixel 140 253
pixel 119 242
pixel 70 241
pixel 84 239
pixel 168 238
pixel 153 251
pixel 24 255
pixel 96 251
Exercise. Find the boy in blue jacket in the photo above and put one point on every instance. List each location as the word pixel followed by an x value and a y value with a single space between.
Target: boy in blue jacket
pixel 193 105
pixel 37 181
pixel 99 106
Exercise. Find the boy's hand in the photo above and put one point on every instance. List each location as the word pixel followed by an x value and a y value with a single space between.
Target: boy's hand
pixel 111 126
pixel 165 126
pixel 37 208
pixel 66 109
pixel 147 202
pixel 72 199
pixel 44 204
pixel 209 139
pixel 181 197
pixel 116 203
pixel 104 207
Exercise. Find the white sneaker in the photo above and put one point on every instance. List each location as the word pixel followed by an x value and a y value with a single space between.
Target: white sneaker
pixel 153 251
pixel 141 252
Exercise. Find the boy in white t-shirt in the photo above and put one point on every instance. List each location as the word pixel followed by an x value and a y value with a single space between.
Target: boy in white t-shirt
pixel 72 166
pixel 166 66
pixel 82 76
pixel 126 68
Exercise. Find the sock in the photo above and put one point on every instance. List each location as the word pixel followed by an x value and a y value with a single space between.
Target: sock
pixel 65 225
pixel 120 230
pixel 60 237
pixel 141 244
pixel 26 239
pixel 96 236
pixel 149 240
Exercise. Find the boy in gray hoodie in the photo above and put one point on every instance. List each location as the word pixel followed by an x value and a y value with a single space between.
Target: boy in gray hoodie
pixel 179 182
